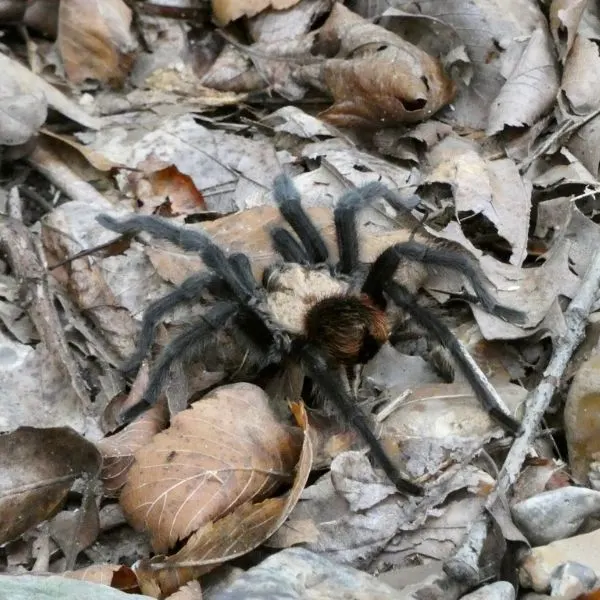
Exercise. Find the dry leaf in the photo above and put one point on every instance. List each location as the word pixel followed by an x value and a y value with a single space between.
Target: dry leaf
pixel 227 449
pixel 95 573
pixel 37 470
pixel 94 40
pixel 381 80
pixel 118 450
pixel 164 190
pixel 492 188
pixel 74 530
pixel 248 526
pixel 530 90
pixel 581 77
pixel 565 16
pixel 96 159
pixel 225 11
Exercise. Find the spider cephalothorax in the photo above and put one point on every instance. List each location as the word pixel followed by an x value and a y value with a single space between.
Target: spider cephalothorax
pixel 333 320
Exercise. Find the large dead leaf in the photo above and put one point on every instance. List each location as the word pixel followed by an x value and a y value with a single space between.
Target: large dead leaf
pixel 227 449
pixel 378 78
pixel 94 40
pixel 37 469
pixel 248 526
pixel 530 89
pixel 225 168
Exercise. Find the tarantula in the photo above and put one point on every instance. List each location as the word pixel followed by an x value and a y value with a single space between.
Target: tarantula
pixel 337 332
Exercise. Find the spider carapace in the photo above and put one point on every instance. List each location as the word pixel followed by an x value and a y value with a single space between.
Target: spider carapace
pixel 329 331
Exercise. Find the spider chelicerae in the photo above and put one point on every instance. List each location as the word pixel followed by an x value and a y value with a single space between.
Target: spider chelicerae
pixel 340 329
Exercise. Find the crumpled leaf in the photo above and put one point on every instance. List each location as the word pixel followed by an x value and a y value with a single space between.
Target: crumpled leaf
pixel 37 470
pixel 162 189
pixel 95 41
pixel 492 188
pixel 530 89
pixel 378 79
pixel 357 512
pixel 227 449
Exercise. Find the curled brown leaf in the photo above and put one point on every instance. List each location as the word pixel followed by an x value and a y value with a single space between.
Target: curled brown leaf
pixel 248 526
pixel 377 78
pixel 226 450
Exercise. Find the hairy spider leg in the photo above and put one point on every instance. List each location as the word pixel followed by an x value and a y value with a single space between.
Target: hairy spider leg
pixel 240 263
pixel 288 200
pixel 384 267
pixel 345 220
pixel 190 289
pixel 189 341
pixel 332 385
pixel 476 378
pixel 214 258
pixel 288 247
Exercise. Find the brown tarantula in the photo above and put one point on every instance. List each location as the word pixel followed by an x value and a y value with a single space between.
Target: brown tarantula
pixel 337 332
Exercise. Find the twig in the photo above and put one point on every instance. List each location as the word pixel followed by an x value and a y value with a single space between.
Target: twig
pixel 17 244
pixel 566 128
pixel 538 401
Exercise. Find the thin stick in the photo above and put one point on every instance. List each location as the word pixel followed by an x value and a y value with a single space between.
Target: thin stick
pixel 539 399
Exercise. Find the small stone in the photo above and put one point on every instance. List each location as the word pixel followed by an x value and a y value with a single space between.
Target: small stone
pixel 539 565
pixel 500 590
pixel 556 514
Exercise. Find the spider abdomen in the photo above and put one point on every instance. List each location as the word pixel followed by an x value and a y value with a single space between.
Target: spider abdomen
pixel 351 329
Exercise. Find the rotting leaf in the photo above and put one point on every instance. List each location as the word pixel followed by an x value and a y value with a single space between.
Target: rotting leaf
pixel 378 79
pixel 227 449
pixel 37 469
pixel 234 535
pixel 95 41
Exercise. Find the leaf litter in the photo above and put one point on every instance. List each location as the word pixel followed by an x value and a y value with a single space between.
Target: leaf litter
pixel 483 117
